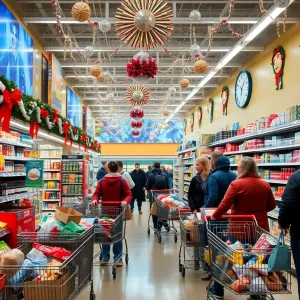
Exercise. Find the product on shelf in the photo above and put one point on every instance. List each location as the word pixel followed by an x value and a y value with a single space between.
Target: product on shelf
pixel 72 166
pixel 50 195
pixel 283 174
pixel 72 178
pixel 51 164
pixel 72 190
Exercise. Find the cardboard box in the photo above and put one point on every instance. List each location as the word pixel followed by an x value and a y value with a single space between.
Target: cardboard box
pixel 67 214
pixel 59 289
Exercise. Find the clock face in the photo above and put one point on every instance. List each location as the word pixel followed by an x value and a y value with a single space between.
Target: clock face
pixel 243 89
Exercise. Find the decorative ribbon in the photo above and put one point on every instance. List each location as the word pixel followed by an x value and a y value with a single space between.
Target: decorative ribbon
pixel 9 101
pixel 277 77
pixel 55 116
pixel 44 113
pixel 34 129
pixel 74 132
pixel 66 131
pixel 83 138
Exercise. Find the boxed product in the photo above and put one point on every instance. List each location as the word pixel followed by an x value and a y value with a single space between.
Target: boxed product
pixel 67 214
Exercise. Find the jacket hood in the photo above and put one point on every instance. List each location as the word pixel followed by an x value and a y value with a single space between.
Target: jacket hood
pixel 156 171
pixel 223 163
pixel 112 178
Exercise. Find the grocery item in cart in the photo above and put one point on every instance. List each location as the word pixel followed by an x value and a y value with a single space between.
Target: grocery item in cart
pixel 56 252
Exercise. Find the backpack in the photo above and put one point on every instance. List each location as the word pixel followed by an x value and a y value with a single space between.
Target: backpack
pixel 159 182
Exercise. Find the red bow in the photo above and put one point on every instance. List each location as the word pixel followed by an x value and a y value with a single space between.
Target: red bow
pixel 66 131
pixel 9 101
pixel 44 113
pixel 33 129
pixel 55 116
pixel 277 77
pixel 83 138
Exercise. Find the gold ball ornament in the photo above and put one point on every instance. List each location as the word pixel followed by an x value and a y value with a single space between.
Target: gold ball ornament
pixel 184 83
pixel 81 11
pixel 101 125
pixel 165 113
pixel 95 71
pixel 101 77
pixel 200 66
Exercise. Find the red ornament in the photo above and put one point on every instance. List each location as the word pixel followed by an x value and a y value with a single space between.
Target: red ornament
pixel 44 113
pixel 135 133
pixel 136 124
pixel 83 138
pixel 9 101
pixel 139 66
pixel 137 113
pixel 55 116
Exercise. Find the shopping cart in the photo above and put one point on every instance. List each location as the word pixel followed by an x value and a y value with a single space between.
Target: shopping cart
pixel 110 232
pixel 74 274
pixel 242 268
pixel 165 216
pixel 191 252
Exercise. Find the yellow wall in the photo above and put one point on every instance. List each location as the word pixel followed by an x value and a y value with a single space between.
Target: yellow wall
pixel 265 99
pixel 138 149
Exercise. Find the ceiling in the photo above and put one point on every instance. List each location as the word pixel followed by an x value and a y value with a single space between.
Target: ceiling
pixel 39 15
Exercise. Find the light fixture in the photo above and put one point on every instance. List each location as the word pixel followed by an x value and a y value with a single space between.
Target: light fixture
pixel 265 21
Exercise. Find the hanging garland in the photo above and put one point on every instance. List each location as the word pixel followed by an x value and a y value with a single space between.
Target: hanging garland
pixel 39 115
pixel 210 109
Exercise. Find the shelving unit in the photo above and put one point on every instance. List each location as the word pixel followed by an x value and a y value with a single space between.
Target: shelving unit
pixel 51 195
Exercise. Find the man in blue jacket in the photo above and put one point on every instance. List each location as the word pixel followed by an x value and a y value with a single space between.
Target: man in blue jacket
pixel 217 185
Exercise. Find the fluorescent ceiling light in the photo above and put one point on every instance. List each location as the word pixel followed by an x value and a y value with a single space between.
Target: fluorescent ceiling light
pixel 265 21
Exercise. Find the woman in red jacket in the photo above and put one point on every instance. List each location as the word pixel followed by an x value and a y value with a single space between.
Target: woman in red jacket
pixel 248 195
pixel 112 188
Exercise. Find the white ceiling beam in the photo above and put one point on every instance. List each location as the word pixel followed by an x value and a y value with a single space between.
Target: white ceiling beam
pixel 160 75
pixel 115 85
pixel 125 48
pixel 161 93
pixel 181 20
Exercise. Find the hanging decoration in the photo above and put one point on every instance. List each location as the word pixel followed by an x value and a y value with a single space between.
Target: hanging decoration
pixel 137 114
pixel 137 95
pixel 200 66
pixel 282 3
pixel 210 109
pixel 172 91
pixel 144 23
pixel 109 97
pixel 89 51
pixel 35 119
pixel 195 15
pixel 104 26
pixel 199 116
pixel 224 97
pixel 278 61
pixel 141 68
pixel 165 112
pixel 184 83
pixel 81 12
pixel 95 71
pixel 136 124
pixel 192 122
pixel 195 50
pixel 135 133
pixel 101 78
pixel 185 125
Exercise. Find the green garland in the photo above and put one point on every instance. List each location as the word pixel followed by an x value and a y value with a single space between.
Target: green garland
pixel 28 101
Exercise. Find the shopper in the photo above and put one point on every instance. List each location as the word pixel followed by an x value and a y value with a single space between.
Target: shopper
pixel 168 175
pixel 289 217
pixel 198 184
pixel 112 188
pixel 102 171
pixel 138 192
pixel 149 171
pixel 125 175
pixel 157 180
pixel 248 195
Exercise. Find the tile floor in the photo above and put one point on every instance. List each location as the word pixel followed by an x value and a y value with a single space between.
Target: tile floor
pixel 152 272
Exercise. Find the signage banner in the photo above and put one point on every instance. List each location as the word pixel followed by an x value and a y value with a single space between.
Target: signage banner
pixel 34 173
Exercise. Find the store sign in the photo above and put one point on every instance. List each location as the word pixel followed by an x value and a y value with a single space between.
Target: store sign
pixel 34 173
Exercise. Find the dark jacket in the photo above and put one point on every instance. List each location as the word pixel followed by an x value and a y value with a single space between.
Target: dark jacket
pixel 248 196
pixel 218 182
pixel 151 179
pixel 290 206
pixel 169 178
pixel 139 179
pixel 148 173
pixel 101 173
pixel 196 192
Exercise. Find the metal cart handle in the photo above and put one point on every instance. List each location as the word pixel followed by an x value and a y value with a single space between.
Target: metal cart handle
pixel 109 203
pixel 232 217
pixel 161 191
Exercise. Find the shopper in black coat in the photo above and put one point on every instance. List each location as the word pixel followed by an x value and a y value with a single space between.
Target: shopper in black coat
pixel 289 217
pixel 138 192
pixel 102 171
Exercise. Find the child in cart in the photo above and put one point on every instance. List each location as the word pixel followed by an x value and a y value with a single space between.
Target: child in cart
pixel 112 188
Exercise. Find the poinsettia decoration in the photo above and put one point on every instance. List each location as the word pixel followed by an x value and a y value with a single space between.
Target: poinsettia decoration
pixel 137 113
pixel 136 124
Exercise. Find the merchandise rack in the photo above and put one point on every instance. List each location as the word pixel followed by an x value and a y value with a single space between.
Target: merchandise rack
pixel 51 196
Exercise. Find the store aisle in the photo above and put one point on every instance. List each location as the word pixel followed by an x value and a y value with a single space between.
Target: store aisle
pixel 152 272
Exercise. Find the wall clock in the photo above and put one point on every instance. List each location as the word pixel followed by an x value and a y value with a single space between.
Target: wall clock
pixel 243 89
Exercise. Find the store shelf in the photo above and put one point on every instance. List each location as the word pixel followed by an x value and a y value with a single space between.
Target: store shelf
pixel 71 195
pixel 266 149
pixel 272 164
pixel 187 150
pixel 185 198
pixel 72 172
pixel 15 197
pixel 67 183
pixel 12 174
pixel 17 158
pixel 276 181
pixel 14 143
pixel 51 170
pixel 4 232
pixel 274 130
pixel 176 190
pixel 189 180
pixel 185 158
pixel 187 183
pixel 50 158
pixel 51 190
pixel 51 200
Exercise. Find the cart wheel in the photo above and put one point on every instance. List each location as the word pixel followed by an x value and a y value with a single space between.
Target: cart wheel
pixel 92 296
pixel 183 271
pixel 148 231
pixel 159 238
pixel 175 238
pixel 126 259
pixel 114 273
pixel 180 267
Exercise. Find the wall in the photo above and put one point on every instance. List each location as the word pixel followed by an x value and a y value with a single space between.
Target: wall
pixel 138 149
pixel 265 99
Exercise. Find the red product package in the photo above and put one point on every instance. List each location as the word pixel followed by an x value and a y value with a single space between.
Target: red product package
pixel 264 244
pixel 56 252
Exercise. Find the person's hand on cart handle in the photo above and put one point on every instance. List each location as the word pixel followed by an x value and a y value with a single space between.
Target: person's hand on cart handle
pixel 195 212
pixel 285 231
pixel 94 203
pixel 124 203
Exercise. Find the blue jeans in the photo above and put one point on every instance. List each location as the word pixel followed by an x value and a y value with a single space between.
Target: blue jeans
pixel 295 243
pixel 117 250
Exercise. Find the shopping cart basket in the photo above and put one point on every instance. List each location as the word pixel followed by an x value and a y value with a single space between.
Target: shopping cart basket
pixel 191 252
pixel 239 252
pixel 165 216
pixel 75 273
pixel 110 231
